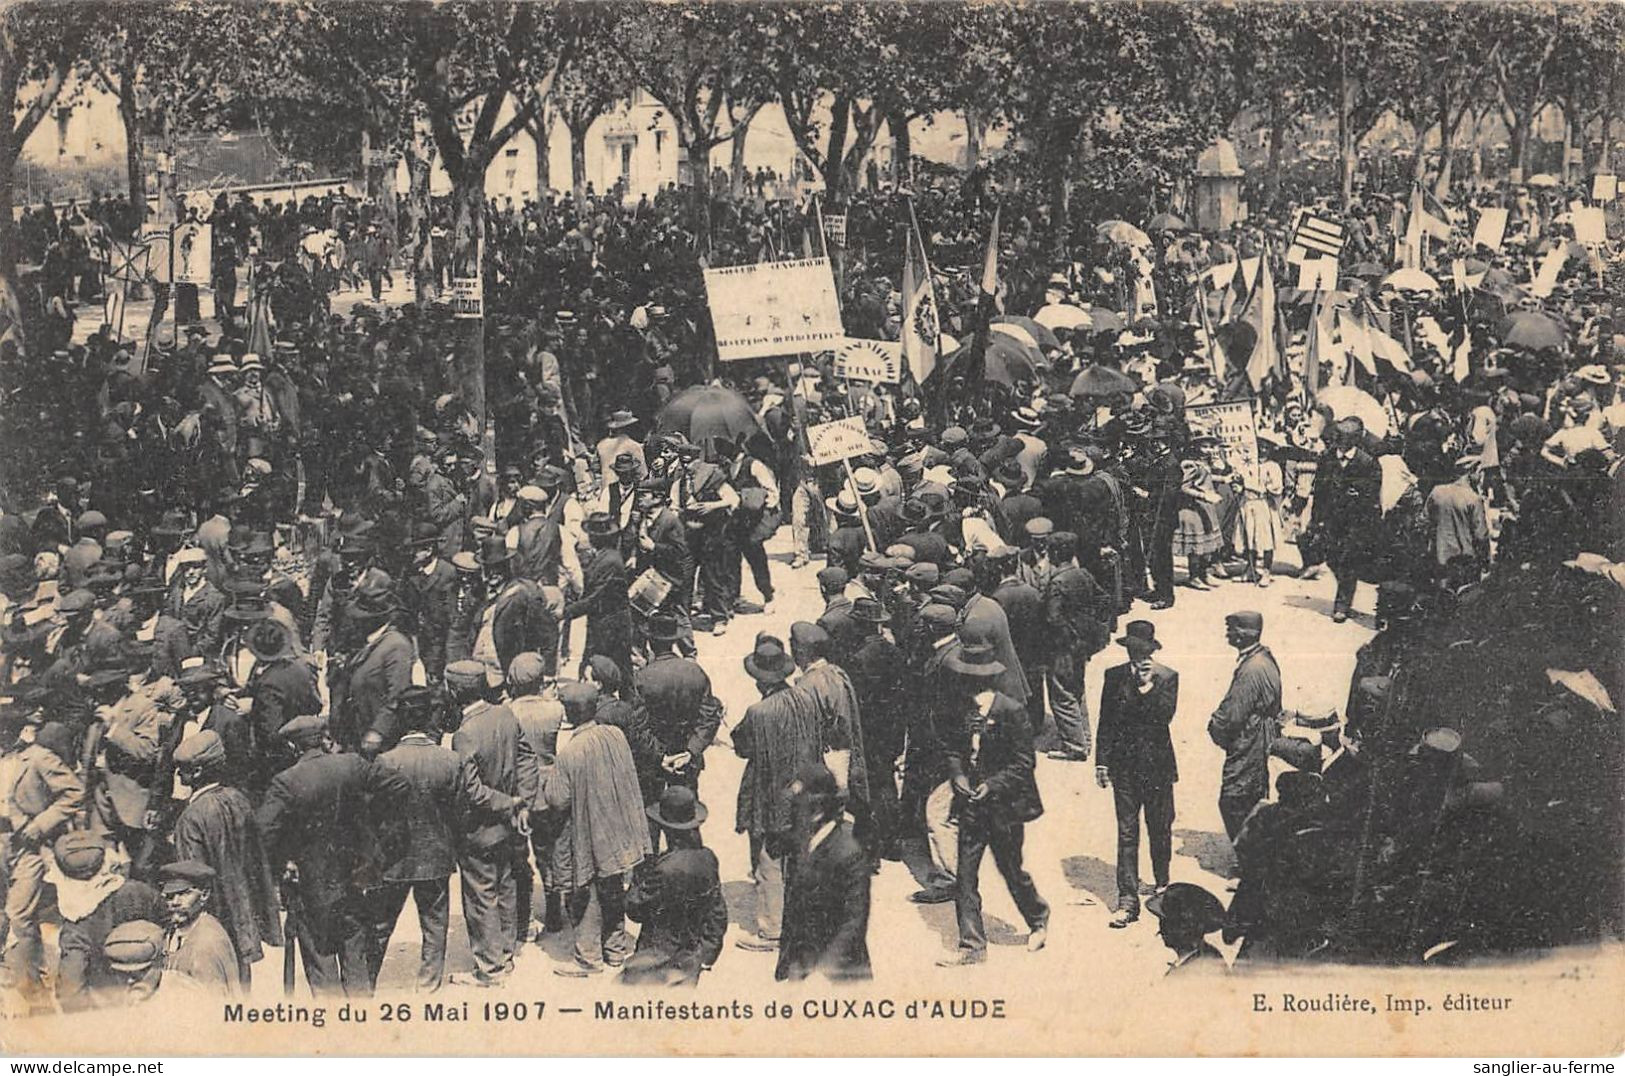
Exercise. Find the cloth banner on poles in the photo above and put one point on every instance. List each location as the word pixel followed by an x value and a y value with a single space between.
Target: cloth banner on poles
pixel 773 308
pixel 1233 425
pixel 1316 235
pixel 869 360
pixel 1492 226
pixel 832 442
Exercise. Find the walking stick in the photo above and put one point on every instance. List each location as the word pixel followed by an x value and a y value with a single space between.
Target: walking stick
pixel 290 937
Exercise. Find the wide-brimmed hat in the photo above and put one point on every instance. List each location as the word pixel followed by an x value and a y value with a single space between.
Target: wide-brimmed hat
pixel 915 510
pixel 600 524
pixel 627 464
pixel 869 610
pixel 269 640
pixel 1183 905
pixel 769 662
pixel 373 595
pixel 678 808
pixel 173 524
pixel 974 659
pixel 1139 637
pixel 620 420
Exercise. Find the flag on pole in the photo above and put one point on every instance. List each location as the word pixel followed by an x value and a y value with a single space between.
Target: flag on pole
pixel 1262 315
pixel 990 266
pixel 921 332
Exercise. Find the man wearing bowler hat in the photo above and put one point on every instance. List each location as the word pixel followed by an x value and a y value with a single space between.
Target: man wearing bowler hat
pixel 515 618
pixel 683 712
pixel 1246 720
pixel 1187 914
pixel 376 673
pixel 1135 757
pixel 603 598
pixel 779 734
pixel 677 896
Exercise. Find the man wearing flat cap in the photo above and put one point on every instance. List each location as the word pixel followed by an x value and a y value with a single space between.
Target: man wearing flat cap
pixel 446 803
pixel 92 900
pixel 1135 756
pixel 134 955
pixel 198 945
pixel 217 828
pixel 334 817
pixel 46 794
pixel 1246 720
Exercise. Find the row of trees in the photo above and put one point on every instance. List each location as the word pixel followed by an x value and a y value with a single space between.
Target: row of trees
pixel 1099 97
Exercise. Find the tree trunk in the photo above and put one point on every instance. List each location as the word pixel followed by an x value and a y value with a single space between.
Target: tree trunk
pixel 1447 143
pixel 541 136
pixel 578 165
pixel 737 176
pixel 1569 112
pixel 1059 180
pixel 1605 163
pixel 975 128
pixel 12 321
pixel 424 274
pixel 169 199
pixel 135 166
pixel 468 235
pixel 902 154
pixel 1345 128
pixel 835 153
pixel 1419 161
pixel 1523 123
pixel 1272 174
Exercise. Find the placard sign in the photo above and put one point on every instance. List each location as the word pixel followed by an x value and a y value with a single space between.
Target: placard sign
pixel 869 360
pixel 1232 424
pixel 832 442
pixel 773 308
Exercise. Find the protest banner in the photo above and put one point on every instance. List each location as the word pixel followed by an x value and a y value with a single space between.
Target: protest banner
pixel 1546 278
pixel 773 308
pixel 1589 226
pixel 835 228
pixel 1317 235
pixel 1492 226
pixel 869 360
pixel 1232 424
pixel 1604 187
pixel 467 297
pixel 832 442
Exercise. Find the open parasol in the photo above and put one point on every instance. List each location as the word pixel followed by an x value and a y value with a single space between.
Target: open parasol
pixel 705 413
pixel 1410 280
pixel 1367 271
pixel 1041 334
pixel 1096 382
pixel 1063 316
pixel 1122 233
pixel 1166 222
pixel 1542 179
pixel 1006 360
pixel 1346 401
pixel 1106 320
pixel 1533 330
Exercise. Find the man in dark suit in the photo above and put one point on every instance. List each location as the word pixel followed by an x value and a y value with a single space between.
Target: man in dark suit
pixel 677 896
pixel 1078 618
pixel 516 612
pixel 1136 757
pixel 492 849
pixel 683 712
pixel 1346 511
pixel 333 816
pixel 826 899
pixel 988 744
pixel 428 594
pixel 1247 719
pixel 1024 607
pixel 603 596
pixel 378 671
pixel 446 798
pixel 836 618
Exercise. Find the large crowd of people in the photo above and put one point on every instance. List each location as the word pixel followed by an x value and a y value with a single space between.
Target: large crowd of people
pixel 287 638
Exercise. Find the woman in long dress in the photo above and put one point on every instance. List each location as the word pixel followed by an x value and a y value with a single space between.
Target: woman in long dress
pixel 1197 537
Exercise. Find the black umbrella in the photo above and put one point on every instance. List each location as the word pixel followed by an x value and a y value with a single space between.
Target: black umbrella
pixel 705 413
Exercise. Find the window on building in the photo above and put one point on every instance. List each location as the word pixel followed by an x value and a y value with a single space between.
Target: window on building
pixel 660 143
pixel 626 159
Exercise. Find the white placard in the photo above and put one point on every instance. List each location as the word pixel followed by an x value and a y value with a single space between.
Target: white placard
pixel 1604 187
pixel 1589 226
pixel 773 308
pixel 832 442
pixel 869 360
pixel 467 297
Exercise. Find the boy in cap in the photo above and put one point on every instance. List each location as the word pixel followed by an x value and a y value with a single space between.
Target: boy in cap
pixel 134 953
pixel 92 899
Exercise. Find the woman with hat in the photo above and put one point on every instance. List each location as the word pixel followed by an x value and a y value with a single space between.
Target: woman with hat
pixel 1197 536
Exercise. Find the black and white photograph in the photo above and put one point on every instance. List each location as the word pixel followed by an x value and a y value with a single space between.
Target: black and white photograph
pixel 812 529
